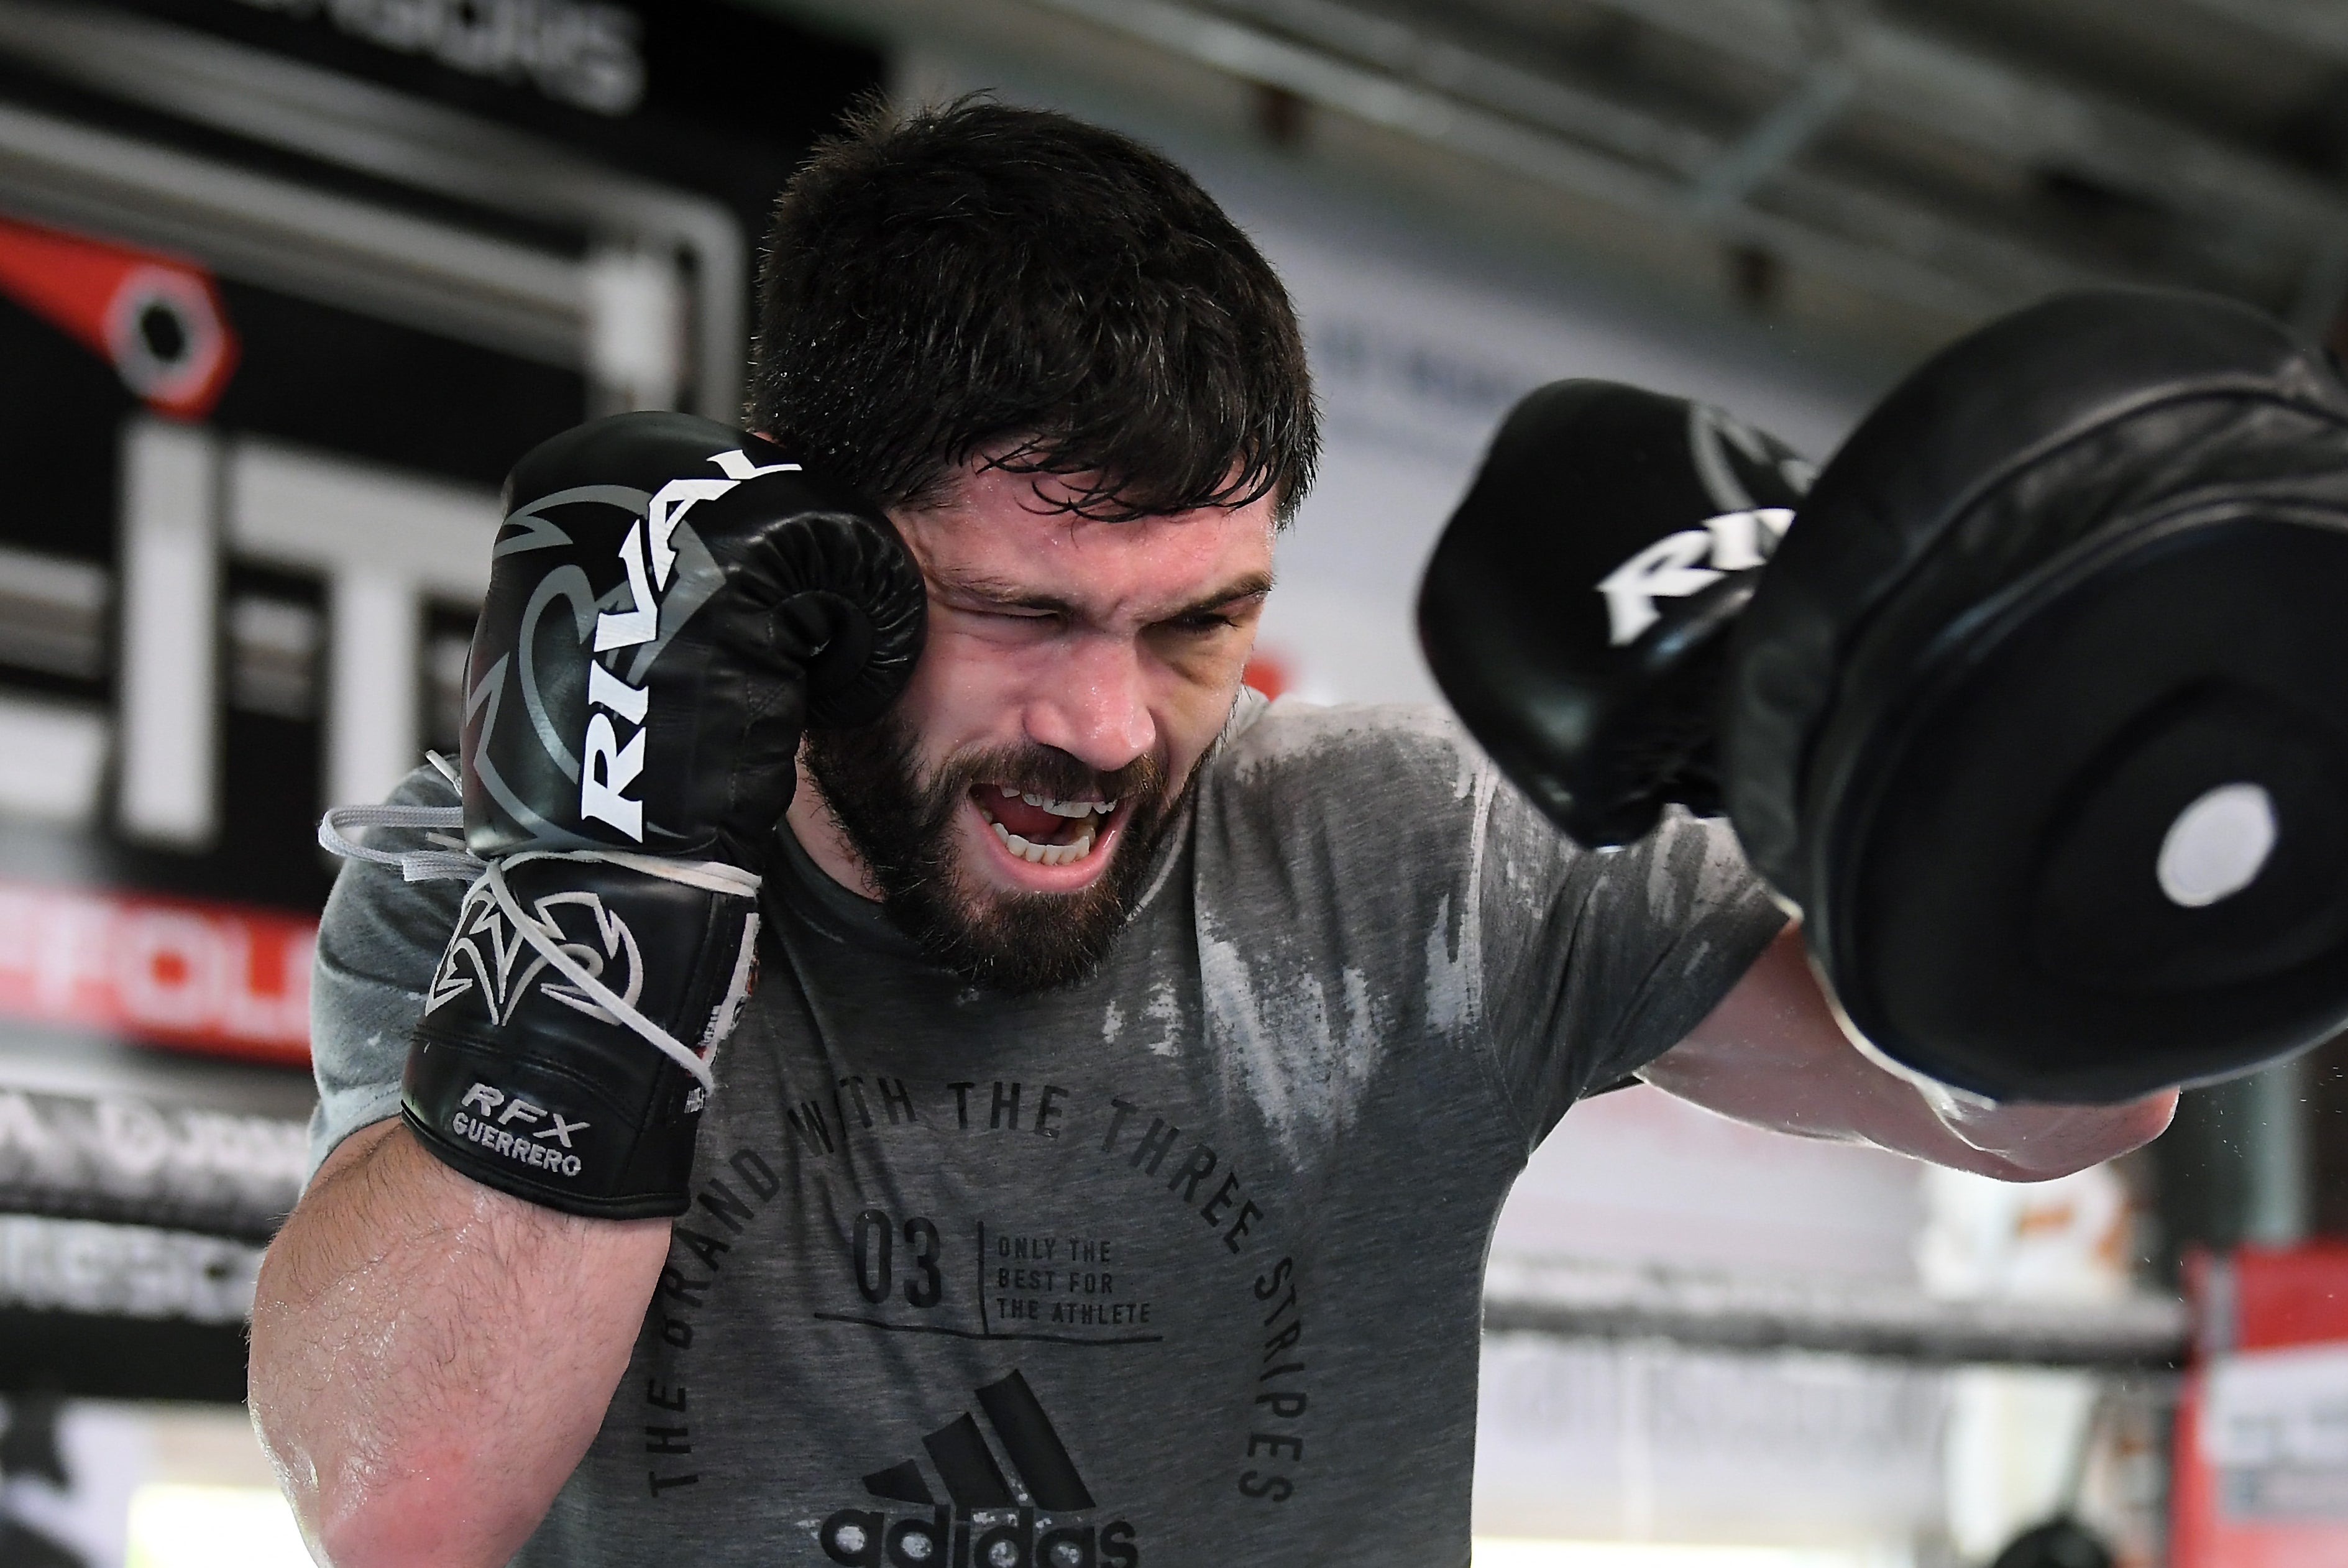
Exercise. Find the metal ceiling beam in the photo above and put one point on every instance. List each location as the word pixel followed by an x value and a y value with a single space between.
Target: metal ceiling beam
pixel 340 119
pixel 306 242
pixel 2318 26
pixel 1719 174
pixel 1414 54
pixel 1480 109
pixel 1778 138
pixel 1913 78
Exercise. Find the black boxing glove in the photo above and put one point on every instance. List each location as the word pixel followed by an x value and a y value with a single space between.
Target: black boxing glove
pixel 669 604
pixel 1576 610
pixel 2028 717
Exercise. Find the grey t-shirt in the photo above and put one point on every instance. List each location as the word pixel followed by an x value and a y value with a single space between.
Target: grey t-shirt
pixel 1178 1266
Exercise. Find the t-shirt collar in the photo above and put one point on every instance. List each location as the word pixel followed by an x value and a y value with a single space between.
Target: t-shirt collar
pixel 795 882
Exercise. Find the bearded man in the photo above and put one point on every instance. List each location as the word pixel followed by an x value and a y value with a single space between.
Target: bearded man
pixel 1102 1170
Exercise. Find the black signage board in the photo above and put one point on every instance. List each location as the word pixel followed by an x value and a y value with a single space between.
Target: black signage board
pixel 723 99
pixel 309 375
pixel 92 1358
pixel 156 971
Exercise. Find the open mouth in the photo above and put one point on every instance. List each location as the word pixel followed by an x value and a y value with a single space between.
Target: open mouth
pixel 1040 829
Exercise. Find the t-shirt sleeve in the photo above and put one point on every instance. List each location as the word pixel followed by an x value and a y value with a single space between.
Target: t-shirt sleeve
pixel 378 942
pixel 1596 963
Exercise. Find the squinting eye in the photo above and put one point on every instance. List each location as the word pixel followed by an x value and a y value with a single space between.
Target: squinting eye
pixel 1203 623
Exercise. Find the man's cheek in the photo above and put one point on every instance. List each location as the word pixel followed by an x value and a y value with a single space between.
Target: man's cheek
pixel 970 692
pixel 1188 725
pixel 935 720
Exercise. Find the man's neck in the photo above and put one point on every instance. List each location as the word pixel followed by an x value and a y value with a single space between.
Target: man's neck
pixel 819 833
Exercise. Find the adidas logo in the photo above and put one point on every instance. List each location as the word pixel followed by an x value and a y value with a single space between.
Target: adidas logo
pixel 986 1520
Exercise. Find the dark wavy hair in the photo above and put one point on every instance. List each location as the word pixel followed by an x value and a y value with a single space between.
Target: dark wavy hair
pixel 944 282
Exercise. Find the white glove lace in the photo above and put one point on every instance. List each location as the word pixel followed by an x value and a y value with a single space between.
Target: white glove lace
pixel 444 863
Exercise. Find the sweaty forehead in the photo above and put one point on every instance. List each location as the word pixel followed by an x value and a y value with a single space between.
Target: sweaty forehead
pixel 995 543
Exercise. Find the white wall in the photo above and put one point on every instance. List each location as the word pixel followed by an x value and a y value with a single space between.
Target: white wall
pixel 1415 365
pixel 1639 1178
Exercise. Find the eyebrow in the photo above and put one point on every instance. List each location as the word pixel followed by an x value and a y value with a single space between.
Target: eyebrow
pixel 1009 595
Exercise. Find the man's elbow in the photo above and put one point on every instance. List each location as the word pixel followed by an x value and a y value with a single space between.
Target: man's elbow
pixel 363 1503
pixel 432 1514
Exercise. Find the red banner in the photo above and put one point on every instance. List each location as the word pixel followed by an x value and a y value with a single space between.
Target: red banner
pixel 214 978
pixel 2261 1434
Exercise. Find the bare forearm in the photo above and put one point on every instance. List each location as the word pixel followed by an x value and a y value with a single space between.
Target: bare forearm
pixel 1772 1054
pixel 430 1359
pixel 2033 1142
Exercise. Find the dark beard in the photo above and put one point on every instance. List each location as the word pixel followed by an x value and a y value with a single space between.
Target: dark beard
pixel 902 830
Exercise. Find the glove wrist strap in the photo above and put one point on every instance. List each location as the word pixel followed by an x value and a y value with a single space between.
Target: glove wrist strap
pixel 530 1071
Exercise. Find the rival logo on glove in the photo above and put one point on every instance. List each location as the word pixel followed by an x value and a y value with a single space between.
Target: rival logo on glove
pixel 483 921
pixel 1669 569
pixel 606 768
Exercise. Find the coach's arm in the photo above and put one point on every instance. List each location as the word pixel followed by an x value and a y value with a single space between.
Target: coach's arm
pixel 432 1358
pixel 1772 1054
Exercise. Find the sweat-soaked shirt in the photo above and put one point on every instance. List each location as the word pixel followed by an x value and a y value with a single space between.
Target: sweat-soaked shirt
pixel 1179 1265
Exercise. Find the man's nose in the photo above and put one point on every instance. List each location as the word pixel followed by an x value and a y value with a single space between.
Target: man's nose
pixel 1094 707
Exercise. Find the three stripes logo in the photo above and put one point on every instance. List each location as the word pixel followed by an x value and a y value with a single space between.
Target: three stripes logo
pixel 986 1519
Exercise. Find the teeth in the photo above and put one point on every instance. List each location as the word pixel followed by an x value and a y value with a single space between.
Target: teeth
pixel 1057 808
pixel 1063 808
pixel 1045 854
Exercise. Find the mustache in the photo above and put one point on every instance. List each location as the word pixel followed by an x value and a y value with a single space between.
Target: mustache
pixel 902 819
pixel 1049 771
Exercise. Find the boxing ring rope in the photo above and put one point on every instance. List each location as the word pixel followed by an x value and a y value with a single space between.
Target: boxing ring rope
pixel 2142 1333
pixel 116 1160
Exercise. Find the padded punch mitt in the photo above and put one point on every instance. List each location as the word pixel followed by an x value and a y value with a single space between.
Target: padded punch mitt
pixel 2040 713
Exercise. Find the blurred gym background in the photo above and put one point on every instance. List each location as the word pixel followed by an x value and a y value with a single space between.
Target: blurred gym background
pixel 285 285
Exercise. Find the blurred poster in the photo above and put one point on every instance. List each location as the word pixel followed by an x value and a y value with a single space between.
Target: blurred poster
pixel 285 286
pixel 93 1484
pixel 2275 1427
pixel 205 976
pixel 1644 1441
pixel 2262 1446
pixel 65 1480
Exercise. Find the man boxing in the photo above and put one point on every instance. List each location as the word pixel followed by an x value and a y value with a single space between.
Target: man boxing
pixel 1101 1171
